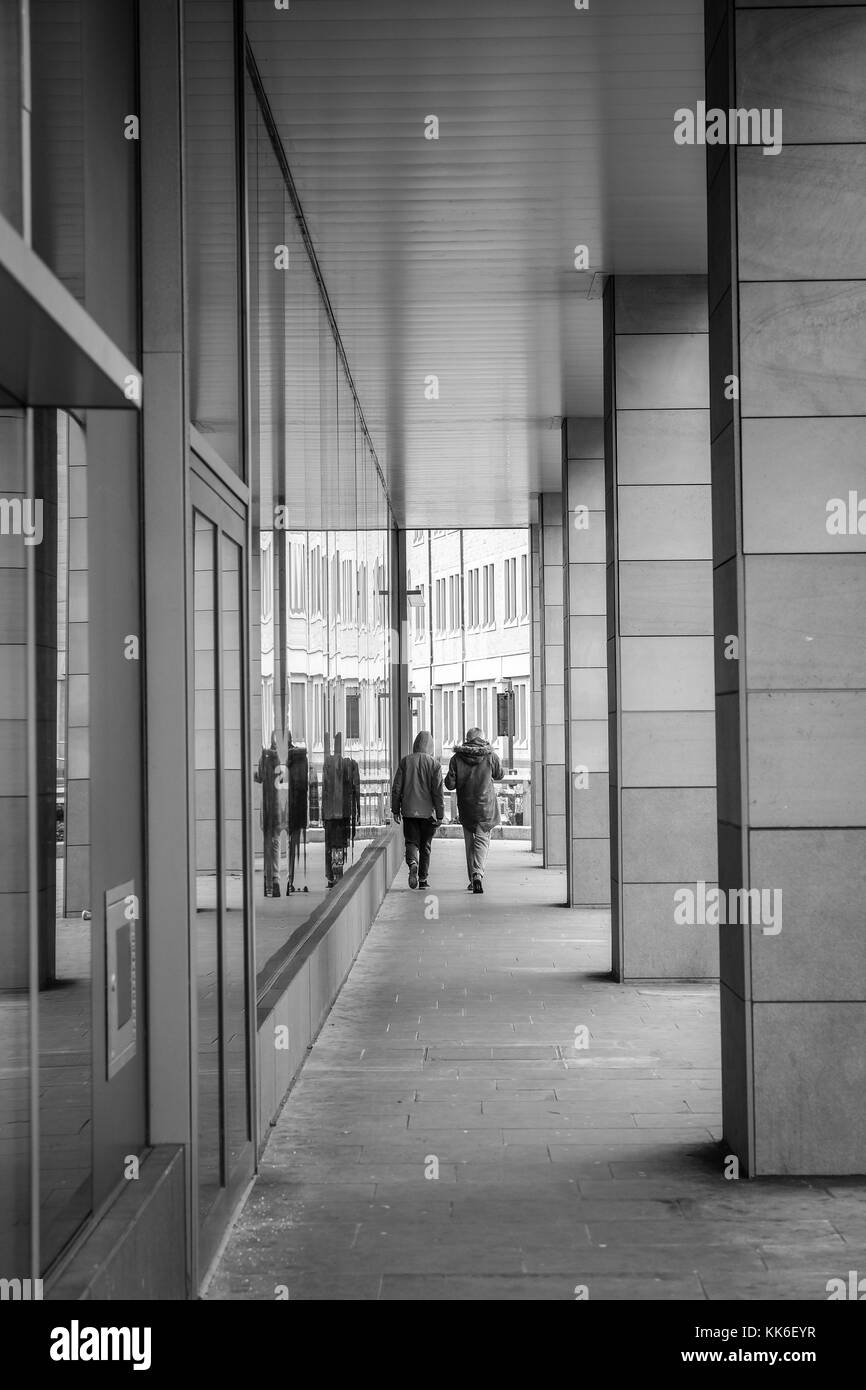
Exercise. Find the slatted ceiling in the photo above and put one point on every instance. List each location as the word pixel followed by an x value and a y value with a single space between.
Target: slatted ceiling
pixel 456 257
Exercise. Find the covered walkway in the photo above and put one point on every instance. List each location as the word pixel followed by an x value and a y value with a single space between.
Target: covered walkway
pixel 564 1170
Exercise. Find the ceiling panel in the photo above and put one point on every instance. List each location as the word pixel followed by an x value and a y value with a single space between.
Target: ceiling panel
pixel 455 257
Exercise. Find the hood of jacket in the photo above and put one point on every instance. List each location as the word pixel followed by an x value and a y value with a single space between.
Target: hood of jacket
pixel 475 748
pixel 423 742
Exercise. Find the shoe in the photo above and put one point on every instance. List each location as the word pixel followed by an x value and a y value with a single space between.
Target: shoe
pixel 477 886
pixel 422 883
pixel 275 892
pixel 290 888
pixel 413 876
pixel 470 888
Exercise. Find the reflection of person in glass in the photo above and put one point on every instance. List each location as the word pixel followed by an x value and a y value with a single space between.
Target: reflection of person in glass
pixel 341 808
pixel 268 773
pixel 298 779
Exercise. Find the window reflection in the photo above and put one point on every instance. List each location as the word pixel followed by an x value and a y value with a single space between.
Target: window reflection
pixel 321 697
pixel 206 864
pixel 65 1064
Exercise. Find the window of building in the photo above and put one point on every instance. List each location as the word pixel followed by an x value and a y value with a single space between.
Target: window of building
pixel 489 596
pixel 318 709
pixel 418 537
pixel 298 716
pixel 267 580
pixel 441 610
pixel 380 597
pixel 524 587
pixel 511 590
pixel 421 615
pixel 315 582
pixel 297 577
pixel 482 708
pixel 448 716
pixel 353 714
pixel 473 598
pixel 520 734
pixel 349 596
pixel 267 709
pixel 454 603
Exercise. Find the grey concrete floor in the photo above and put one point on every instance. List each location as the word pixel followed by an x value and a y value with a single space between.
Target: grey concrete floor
pixel 564 1170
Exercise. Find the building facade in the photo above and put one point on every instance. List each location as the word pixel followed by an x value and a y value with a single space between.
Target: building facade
pixel 469 634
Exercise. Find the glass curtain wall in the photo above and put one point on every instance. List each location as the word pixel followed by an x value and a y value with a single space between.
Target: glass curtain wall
pixel 322 528
pixel 71 896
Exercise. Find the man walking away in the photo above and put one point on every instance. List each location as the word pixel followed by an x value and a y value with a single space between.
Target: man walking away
pixel 268 773
pixel 472 771
pixel 417 797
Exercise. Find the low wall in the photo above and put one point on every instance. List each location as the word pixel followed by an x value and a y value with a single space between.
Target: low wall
pixel 300 994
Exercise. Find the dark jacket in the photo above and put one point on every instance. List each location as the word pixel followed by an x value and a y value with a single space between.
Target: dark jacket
pixel 267 773
pixel 472 771
pixel 299 780
pixel 417 788
pixel 341 787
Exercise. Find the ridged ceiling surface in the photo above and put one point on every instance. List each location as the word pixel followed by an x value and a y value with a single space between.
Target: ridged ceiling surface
pixel 455 257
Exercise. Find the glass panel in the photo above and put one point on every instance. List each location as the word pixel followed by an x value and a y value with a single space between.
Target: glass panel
pixel 211 224
pixel 322 695
pixel 15 1072
pixel 234 929
pixel 207 812
pixel 10 112
pixel 65 1062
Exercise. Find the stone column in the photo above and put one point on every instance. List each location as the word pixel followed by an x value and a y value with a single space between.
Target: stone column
pixel 551 650
pixel 660 622
pixel 787 298
pixel 585 628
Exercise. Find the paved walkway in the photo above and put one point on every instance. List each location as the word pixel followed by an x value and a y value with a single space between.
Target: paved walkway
pixel 452 1048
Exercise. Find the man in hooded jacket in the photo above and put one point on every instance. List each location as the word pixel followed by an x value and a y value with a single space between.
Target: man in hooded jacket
pixel 268 773
pixel 472 771
pixel 417 797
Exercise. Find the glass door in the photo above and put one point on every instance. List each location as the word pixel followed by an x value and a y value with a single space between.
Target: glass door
pixel 221 945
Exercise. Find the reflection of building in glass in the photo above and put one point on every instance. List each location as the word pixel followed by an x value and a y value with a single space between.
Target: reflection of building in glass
pixel 472 639
pixel 329 672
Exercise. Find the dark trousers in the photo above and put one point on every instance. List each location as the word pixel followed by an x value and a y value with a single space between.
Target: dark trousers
pixel 294 852
pixel 272 835
pixel 418 835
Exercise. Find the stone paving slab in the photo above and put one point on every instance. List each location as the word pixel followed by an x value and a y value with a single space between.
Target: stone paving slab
pixel 447 1140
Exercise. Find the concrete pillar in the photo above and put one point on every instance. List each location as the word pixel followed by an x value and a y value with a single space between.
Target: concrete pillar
pixel 165 515
pixel 660 622
pixel 585 630
pixel 536 740
pixel 551 650
pixel 787 298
